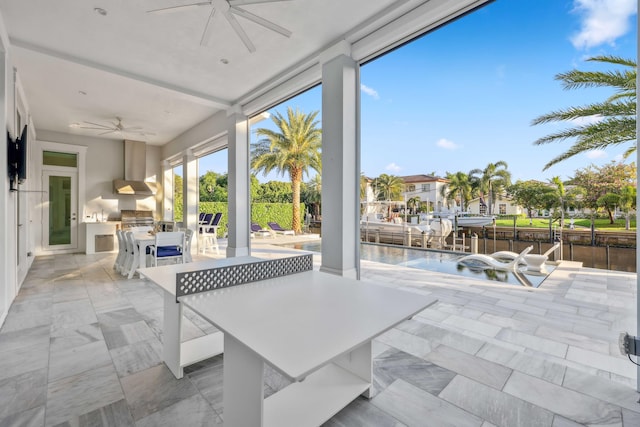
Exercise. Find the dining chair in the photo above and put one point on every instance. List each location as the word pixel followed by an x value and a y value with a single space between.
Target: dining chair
pixel 210 233
pixel 127 237
pixel 169 245
pixel 122 251
pixel 188 237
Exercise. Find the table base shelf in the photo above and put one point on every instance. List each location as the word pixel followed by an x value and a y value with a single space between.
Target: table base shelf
pixel 315 400
pixel 201 348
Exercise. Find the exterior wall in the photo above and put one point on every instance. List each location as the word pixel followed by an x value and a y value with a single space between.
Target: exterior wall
pixel 510 207
pixel 10 276
pixel 433 195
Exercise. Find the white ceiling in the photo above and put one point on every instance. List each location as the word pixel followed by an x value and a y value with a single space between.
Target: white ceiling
pixel 150 69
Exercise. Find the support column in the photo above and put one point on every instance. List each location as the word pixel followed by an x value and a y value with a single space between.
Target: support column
pixel 167 192
pixel 190 188
pixel 340 163
pixel 238 189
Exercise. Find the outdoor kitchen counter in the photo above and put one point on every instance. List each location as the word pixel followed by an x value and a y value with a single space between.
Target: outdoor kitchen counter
pixel 101 229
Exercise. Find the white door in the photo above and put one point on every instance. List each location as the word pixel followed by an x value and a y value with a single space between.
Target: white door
pixel 60 204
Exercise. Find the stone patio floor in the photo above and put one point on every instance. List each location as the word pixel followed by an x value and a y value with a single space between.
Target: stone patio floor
pixel 81 346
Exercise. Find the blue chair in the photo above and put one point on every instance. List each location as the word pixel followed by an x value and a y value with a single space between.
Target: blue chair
pixel 169 246
pixel 257 230
pixel 279 230
pixel 209 231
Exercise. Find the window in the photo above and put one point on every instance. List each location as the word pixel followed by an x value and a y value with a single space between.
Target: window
pixel 52 158
pixel 483 209
pixel 177 193
pixel 411 188
pixel 502 208
pixel 426 187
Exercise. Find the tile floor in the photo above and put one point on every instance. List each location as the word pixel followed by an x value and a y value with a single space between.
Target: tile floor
pixel 81 347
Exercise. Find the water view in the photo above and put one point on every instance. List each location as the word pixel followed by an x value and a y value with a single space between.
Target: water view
pixel 442 262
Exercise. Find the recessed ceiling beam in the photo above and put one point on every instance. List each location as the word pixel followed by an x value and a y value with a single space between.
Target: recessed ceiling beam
pixel 200 98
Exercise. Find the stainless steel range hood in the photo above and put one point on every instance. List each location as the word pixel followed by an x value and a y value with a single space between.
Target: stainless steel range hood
pixel 135 167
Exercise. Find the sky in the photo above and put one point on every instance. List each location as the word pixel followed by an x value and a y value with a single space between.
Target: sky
pixel 464 95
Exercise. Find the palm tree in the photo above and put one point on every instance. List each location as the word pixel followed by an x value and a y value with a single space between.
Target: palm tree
pixel 413 203
pixel 364 187
pixel 560 195
pixel 293 150
pixel 491 180
pixel 617 114
pixel 458 188
pixel 313 194
pixel 389 187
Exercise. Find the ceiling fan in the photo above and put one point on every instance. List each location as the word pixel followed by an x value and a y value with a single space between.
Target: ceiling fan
pixel 113 127
pixel 229 8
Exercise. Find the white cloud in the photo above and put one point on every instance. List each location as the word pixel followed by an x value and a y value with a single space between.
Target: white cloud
pixel 596 154
pixel 369 91
pixel 619 158
pixel 586 121
pixel 603 21
pixel 446 144
pixel 392 167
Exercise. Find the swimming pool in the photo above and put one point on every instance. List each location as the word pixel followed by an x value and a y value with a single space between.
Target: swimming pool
pixel 443 262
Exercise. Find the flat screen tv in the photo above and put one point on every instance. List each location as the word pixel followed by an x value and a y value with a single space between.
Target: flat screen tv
pixel 17 158
pixel 21 156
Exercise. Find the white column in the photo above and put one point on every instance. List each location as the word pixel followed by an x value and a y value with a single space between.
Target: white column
pixel 167 191
pixel 238 189
pixel 190 186
pixel 6 202
pixel 340 163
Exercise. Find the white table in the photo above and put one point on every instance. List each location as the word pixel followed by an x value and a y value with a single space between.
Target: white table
pixel 175 353
pixel 313 327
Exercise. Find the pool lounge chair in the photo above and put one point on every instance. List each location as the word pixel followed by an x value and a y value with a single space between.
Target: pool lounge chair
pixel 534 261
pixel 494 263
pixel 279 230
pixel 257 230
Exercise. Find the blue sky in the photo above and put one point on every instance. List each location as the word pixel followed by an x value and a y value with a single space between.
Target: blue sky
pixel 464 95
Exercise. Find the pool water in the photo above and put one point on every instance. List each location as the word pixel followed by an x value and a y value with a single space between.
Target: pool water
pixel 443 262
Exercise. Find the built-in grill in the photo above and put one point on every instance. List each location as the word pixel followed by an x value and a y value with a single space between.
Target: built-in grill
pixel 135 218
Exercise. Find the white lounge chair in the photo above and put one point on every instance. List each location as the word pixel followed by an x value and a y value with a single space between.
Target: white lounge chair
pixel 534 261
pixel 494 263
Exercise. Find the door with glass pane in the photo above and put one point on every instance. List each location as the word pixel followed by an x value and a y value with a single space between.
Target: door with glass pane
pixel 60 219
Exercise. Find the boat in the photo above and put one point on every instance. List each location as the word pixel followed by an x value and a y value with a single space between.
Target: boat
pixel 379 219
pixel 464 219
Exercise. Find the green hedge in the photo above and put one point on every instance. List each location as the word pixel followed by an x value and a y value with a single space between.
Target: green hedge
pixel 282 213
pixel 262 213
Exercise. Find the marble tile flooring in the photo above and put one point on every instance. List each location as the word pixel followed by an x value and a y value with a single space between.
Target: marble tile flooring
pixel 81 347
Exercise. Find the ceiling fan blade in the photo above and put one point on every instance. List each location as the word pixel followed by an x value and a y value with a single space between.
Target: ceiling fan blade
pixel 91 128
pixel 239 31
pixel 241 2
pixel 179 7
pixel 100 126
pixel 207 33
pixel 261 21
pixel 133 128
pixel 109 131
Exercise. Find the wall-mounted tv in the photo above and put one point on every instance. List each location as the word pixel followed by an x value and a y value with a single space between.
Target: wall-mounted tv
pixel 17 158
pixel 22 156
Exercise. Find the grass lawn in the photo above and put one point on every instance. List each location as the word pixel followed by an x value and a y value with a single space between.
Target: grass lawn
pixel 601 224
